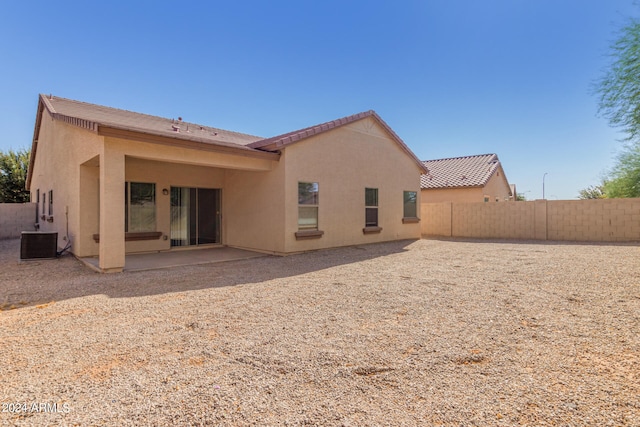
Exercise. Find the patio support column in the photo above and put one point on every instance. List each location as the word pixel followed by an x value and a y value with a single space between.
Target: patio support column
pixel 112 248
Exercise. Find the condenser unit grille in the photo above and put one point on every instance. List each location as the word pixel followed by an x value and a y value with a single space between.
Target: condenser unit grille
pixel 38 245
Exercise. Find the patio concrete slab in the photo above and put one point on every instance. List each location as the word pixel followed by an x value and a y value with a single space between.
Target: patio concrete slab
pixel 177 258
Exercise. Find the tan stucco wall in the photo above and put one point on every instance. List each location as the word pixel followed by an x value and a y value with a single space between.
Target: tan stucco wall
pixel 457 195
pixel 61 149
pixel 254 202
pixel 344 162
pixel 608 220
pixel 259 196
pixel 496 188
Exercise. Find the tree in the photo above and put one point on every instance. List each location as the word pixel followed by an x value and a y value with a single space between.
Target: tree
pixel 520 197
pixel 13 175
pixel 619 102
pixel 624 179
pixel 619 88
pixel 593 192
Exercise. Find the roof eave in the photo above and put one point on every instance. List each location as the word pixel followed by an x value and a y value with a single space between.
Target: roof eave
pixel 136 135
pixel 452 187
pixel 34 141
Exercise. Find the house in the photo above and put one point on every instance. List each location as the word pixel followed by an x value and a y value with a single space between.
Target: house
pixel 465 179
pixel 115 182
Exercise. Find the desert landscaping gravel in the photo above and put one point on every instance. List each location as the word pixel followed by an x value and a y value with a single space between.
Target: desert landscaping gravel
pixel 428 332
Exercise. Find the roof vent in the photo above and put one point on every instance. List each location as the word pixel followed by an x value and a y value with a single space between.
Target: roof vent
pixel 463 177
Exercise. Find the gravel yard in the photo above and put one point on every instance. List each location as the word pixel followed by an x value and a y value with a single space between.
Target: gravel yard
pixel 429 332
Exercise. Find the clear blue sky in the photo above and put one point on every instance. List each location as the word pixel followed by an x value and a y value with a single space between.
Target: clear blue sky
pixel 452 78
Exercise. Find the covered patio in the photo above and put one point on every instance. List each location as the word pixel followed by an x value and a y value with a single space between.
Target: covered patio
pixel 177 258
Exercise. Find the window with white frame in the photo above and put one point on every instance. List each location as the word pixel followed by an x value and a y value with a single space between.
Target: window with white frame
pixel 308 206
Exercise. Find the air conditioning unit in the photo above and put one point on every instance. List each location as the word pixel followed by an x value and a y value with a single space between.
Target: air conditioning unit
pixel 38 245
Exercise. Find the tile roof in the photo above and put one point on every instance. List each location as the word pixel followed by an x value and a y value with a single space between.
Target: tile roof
pixel 290 137
pixel 91 116
pixel 468 171
pixel 113 121
pixel 280 141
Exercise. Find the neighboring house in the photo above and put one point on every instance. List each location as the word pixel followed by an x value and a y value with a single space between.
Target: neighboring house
pixel 465 179
pixel 118 182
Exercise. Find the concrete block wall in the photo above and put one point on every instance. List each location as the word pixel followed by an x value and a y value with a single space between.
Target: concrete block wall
pixel 16 218
pixel 435 219
pixel 606 220
pixel 493 220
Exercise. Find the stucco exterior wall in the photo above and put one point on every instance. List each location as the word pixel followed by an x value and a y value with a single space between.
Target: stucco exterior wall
pixel 607 220
pixel 61 149
pixel 497 188
pixel 16 218
pixel 255 211
pixel 456 195
pixel 344 162
pixel 259 194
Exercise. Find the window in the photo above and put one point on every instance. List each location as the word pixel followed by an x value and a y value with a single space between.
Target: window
pixel 37 205
pixel 44 202
pixel 410 204
pixel 307 206
pixel 371 207
pixel 139 207
pixel 50 202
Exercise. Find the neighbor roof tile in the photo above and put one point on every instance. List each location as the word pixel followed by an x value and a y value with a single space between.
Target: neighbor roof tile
pixel 468 171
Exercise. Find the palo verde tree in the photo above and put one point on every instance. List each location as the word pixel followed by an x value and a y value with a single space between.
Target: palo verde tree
pixel 624 179
pixel 593 192
pixel 619 102
pixel 13 175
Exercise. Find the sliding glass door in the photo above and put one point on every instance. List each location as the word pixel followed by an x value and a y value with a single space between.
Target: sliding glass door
pixel 195 216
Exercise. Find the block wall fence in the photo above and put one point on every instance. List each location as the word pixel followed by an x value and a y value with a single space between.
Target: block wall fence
pixel 16 218
pixel 602 220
